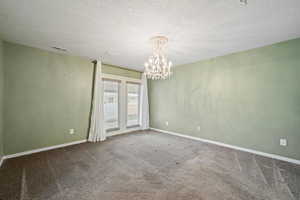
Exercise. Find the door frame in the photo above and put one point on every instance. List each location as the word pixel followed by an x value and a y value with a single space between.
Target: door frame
pixel 122 103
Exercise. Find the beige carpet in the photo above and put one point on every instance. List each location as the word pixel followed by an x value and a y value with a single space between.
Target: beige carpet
pixel 147 165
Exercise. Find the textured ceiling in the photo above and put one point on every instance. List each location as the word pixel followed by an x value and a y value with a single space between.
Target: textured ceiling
pixel 118 31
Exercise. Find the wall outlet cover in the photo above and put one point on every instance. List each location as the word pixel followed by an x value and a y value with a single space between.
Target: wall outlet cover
pixel 283 142
pixel 167 123
pixel 71 131
pixel 198 128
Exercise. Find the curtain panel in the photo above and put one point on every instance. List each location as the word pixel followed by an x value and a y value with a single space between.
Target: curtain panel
pixel 97 131
pixel 144 104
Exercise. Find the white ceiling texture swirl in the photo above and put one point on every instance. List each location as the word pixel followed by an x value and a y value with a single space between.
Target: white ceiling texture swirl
pixel 118 31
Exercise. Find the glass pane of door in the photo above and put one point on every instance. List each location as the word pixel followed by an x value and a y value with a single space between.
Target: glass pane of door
pixel 111 104
pixel 133 104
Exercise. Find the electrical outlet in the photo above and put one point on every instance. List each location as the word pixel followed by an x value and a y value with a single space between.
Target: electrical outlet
pixel 167 123
pixel 71 131
pixel 283 142
pixel 198 128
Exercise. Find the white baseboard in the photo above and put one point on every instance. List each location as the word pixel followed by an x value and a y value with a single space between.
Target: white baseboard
pixel 1 161
pixel 42 149
pixel 274 156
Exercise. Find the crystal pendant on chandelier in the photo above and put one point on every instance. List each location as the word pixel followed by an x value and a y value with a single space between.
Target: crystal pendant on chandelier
pixel 158 66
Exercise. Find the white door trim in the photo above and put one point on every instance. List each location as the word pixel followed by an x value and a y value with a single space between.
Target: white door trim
pixel 122 103
pixel 121 78
pixel 119 132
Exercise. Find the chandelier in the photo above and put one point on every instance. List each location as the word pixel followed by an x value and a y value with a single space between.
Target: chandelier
pixel 158 66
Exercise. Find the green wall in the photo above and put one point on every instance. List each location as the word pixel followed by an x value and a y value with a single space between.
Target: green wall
pixel 249 99
pixel 1 99
pixel 46 94
pixel 109 69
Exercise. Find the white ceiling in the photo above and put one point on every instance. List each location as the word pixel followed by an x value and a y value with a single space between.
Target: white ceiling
pixel 118 31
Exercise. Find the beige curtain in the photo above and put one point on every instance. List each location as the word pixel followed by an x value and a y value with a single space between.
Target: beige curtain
pixel 97 131
pixel 144 104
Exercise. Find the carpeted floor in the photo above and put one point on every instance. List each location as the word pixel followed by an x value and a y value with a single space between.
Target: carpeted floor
pixel 147 165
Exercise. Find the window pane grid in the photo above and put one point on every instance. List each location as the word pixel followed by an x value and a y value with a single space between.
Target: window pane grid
pixel 111 104
pixel 133 104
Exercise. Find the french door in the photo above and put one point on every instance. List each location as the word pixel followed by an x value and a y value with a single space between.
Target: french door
pixel 121 103
pixel 111 104
pixel 133 104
